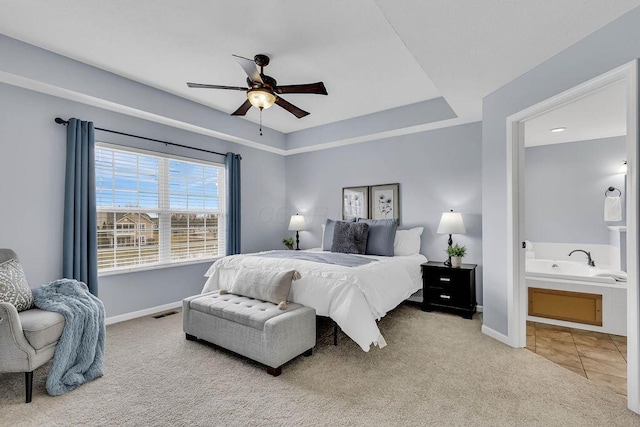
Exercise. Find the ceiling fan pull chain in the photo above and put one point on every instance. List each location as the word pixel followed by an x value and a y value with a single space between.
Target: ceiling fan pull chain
pixel 261 122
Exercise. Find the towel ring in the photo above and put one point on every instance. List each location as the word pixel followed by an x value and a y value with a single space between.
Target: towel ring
pixel 611 189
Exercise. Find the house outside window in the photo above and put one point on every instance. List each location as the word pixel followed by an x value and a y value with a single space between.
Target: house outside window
pixel 155 209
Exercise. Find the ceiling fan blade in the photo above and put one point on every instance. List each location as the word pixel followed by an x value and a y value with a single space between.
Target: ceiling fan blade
pixel 249 67
pixel 291 108
pixel 243 109
pixel 205 86
pixel 317 88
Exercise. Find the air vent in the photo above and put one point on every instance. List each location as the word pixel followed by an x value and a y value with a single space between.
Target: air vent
pixel 168 313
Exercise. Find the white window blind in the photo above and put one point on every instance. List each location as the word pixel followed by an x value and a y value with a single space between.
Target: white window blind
pixel 156 209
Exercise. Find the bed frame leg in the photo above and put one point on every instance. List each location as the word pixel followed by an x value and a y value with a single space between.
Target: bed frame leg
pixel 308 353
pixel 274 371
pixel 335 333
pixel 190 337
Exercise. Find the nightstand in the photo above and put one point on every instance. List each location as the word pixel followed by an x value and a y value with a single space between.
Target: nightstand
pixel 449 288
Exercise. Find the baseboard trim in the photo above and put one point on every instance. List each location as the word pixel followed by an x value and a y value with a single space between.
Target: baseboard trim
pixel 479 308
pixel 141 313
pixel 495 335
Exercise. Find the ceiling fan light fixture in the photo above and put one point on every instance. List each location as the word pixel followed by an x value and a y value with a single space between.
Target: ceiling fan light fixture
pixel 261 98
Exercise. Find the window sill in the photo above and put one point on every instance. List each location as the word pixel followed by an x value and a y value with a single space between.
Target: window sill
pixel 126 270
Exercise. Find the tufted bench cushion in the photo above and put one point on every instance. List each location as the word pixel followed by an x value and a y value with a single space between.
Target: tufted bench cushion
pixel 239 309
pixel 252 328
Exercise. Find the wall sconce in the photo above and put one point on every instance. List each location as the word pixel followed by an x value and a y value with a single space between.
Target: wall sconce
pixel 623 168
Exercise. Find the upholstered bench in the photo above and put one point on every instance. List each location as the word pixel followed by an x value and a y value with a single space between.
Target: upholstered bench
pixel 252 328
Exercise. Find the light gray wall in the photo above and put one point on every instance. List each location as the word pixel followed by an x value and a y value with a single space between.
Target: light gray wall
pixel 565 186
pixel 610 47
pixel 420 113
pixel 437 170
pixel 32 165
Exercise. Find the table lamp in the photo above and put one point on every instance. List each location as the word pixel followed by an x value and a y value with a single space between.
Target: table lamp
pixel 297 224
pixel 451 223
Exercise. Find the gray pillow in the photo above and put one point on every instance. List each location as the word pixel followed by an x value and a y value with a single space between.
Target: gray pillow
pixel 327 237
pixel 14 288
pixel 271 286
pixel 382 233
pixel 350 238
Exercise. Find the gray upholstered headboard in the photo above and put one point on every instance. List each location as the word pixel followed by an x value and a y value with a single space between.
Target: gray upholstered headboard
pixel 7 254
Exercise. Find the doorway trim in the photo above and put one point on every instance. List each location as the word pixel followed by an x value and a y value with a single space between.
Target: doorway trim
pixel 516 286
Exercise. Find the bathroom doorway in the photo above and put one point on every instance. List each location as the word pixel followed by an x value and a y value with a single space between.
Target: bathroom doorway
pixel 543 291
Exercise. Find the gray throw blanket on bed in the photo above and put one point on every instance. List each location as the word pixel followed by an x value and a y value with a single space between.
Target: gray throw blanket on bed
pixel 79 355
pixel 336 258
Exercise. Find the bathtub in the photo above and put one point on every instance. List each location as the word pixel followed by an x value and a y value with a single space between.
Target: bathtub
pixel 568 270
pixel 580 277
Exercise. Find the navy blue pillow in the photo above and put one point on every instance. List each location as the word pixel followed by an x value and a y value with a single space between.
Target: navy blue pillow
pixel 327 238
pixel 382 233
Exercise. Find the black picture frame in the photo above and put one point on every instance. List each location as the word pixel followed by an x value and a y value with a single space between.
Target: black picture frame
pixel 384 201
pixel 355 202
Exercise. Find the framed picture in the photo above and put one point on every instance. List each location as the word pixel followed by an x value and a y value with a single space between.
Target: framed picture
pixel 384 201
pixel 355 202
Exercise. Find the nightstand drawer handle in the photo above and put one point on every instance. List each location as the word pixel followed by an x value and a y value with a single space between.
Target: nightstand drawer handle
pixel 445 279
pixel 445 296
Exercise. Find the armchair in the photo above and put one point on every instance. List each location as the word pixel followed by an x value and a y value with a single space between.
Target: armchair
pixel 28 338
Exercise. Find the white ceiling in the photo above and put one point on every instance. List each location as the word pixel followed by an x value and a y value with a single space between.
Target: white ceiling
pixel 601 114
pixel 371 54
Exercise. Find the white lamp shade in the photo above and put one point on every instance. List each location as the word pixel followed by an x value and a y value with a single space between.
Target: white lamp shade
pixel 451 223
pixel 296 223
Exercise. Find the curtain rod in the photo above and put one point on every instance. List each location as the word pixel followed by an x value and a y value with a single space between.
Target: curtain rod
pixel 60 121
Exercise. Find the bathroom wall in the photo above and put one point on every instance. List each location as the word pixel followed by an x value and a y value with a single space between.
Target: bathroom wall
pixel 565 186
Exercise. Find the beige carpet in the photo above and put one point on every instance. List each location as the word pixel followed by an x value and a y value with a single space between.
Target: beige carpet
pixel 437 369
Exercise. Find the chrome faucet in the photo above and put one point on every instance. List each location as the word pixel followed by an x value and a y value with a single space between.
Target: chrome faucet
pixel 590 261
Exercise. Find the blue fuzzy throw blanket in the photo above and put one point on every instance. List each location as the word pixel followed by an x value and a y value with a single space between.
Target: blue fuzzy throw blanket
pixel 79 355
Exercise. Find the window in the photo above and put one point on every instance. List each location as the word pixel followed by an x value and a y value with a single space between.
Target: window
pixel 154 209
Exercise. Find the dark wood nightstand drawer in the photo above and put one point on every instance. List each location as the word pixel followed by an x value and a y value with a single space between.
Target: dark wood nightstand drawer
pixel 446 278
pixel 447 297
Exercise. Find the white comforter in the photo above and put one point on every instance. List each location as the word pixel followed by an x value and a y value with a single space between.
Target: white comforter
pixel 354 297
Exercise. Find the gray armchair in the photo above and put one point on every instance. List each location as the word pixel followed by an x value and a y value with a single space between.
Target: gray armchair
pixel 27 339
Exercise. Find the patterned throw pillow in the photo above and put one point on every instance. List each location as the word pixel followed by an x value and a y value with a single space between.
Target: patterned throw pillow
pixel 14 288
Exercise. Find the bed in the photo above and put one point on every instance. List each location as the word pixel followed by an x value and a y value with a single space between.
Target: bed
pixel 355 297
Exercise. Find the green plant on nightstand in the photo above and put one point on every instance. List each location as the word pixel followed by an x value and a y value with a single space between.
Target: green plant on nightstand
pixel 288 242
pixel 456 252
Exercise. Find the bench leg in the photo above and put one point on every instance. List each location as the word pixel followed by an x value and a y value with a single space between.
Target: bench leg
pixel 190 337
pixel 28 386
pixel 308 353
pixel 274 371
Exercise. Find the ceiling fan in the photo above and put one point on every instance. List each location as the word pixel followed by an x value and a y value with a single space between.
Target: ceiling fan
pixel 263 90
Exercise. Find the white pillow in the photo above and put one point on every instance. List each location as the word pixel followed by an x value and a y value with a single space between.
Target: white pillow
pixel 407 242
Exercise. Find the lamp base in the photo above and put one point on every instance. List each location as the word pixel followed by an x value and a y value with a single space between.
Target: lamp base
pixel 448 261
pixel 297 241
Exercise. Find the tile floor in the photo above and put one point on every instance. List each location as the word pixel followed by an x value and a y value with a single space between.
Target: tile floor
pixel 602 358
